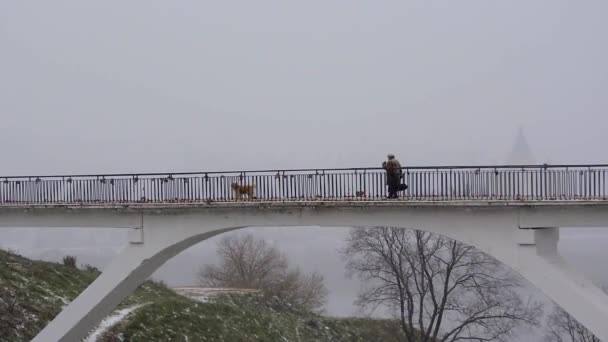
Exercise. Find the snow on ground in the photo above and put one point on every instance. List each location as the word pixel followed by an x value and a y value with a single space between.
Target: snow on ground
pixel 203 294
pixel 110 321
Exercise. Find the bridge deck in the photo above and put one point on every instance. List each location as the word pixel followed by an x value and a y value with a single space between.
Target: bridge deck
pixel 311 204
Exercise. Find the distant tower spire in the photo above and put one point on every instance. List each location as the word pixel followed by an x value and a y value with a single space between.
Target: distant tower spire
pixel 521 153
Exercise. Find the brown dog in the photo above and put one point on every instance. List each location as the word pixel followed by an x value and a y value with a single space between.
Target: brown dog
pixel 240 190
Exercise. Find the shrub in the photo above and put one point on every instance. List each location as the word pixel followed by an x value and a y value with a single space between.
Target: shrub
pixel 69 261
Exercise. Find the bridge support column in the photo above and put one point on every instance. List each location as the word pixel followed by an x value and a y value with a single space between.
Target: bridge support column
pixel 543 267
pixel 124 274
pixel 127 271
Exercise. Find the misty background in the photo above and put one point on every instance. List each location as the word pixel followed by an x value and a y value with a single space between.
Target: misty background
pixel 212 85
pixel 153 86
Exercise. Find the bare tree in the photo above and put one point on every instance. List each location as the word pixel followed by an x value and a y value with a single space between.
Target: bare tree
pixel 562 327
pixel 304 290
pixel 254 264
pixel 441 289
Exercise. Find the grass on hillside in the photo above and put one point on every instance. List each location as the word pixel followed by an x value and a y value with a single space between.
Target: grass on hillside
pixel 32 293
pixel 243 317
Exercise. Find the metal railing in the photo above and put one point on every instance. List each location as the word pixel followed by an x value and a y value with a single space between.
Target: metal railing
pixel 439 183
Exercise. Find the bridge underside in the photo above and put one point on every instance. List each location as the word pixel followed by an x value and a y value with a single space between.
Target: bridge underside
pixel 522 236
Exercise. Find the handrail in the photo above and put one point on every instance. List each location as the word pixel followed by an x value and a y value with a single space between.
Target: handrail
pixel 426 183
pixel 189 173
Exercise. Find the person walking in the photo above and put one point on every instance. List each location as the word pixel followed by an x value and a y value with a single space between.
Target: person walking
pixel 393 175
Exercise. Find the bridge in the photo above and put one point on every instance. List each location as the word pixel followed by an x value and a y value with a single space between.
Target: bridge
pixel 510 212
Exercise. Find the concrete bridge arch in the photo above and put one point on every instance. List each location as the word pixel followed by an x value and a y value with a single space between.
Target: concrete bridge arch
pixel 523 238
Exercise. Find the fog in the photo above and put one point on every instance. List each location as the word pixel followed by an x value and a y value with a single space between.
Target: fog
pixel 153 86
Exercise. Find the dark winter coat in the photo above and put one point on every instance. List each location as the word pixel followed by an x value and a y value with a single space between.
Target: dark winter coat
pixel 393 171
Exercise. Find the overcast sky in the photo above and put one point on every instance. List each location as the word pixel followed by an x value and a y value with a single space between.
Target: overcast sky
pixel 153 86
pixel 138 86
